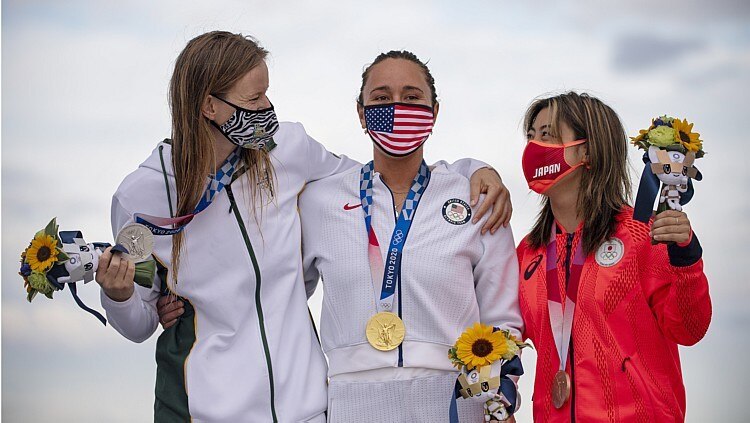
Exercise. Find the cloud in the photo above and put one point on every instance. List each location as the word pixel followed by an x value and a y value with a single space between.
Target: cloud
pixel 84 96
pixel 641 52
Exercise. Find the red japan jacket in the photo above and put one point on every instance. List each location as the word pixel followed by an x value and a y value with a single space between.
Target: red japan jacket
pixel 636 302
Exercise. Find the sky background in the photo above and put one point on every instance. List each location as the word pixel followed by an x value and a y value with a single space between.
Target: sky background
pixel 84 101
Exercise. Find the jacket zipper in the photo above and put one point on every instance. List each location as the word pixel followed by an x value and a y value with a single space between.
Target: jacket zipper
pixel 258 305
pixel 568 251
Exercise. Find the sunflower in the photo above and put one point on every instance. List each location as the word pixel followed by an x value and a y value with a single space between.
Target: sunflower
pixel 641 135
pixel 479 346
pixel 684 135
pixel 42 253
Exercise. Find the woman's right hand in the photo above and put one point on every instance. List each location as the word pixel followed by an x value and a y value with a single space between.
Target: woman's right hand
pixel 169 310
pixel 115 275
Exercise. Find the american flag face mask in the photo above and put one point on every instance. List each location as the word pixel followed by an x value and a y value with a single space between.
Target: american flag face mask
pixel 399 129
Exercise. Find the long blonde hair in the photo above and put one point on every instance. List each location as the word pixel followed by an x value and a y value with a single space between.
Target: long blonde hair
pixel 605 184
pixel 211 63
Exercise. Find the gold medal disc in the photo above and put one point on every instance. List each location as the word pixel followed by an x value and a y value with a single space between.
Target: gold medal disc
pixel 385 331
pixel 560 389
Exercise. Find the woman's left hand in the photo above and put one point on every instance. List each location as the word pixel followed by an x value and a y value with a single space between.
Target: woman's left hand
pixel 487 181
pixel 671 226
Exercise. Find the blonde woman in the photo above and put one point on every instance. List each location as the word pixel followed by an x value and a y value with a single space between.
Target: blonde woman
pixel 222 198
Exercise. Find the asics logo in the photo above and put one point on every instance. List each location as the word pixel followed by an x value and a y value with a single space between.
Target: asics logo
pixel 531 268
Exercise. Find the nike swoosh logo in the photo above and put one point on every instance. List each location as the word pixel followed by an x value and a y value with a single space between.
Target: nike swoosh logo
pixel 348 207
pixel 532 267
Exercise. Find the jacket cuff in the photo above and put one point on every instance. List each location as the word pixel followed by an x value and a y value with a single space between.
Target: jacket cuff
pixel 687 255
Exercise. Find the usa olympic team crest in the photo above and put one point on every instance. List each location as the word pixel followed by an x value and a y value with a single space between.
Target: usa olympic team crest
pixel 610 252
pixel 456 211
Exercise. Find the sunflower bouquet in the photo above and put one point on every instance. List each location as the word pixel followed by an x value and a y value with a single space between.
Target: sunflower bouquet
pixel 43 252
pixel 477 353
pixel 671 148
pixel 54 259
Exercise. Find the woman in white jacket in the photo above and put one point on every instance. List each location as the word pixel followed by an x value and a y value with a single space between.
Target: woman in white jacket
pixel 404 271
pixel 221 197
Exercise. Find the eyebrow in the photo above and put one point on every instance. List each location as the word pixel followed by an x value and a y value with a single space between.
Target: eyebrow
pixel 387 88
pixel 253 95
pixel 409 87
pixel 381 88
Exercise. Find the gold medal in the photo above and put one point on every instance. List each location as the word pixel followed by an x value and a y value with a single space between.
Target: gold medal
pixel 560 389
pixel 385 331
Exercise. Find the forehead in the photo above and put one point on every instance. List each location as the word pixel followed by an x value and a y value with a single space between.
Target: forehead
pixel 396 73
pixel 255 80
pixel 542 118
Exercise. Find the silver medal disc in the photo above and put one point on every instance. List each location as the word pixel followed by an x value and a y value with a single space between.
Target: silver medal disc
pixel 138 240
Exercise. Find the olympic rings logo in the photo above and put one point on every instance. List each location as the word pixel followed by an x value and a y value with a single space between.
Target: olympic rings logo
pixel 454 215
pixel 610 252
pixel 398 237
pixel 609 255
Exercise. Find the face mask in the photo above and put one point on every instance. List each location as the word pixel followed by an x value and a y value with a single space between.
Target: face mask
pixel 249 128
pixel 544 165
pixel 399 129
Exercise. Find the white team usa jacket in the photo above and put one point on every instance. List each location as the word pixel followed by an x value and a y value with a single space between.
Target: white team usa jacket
pixel 245 350
pixel 451 275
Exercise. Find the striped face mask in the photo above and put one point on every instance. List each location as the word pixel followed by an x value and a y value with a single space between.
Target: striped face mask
pixel 249 128
pixel 399 129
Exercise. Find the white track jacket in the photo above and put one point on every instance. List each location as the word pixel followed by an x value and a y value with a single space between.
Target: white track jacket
pixel 245 350
pixel 451 275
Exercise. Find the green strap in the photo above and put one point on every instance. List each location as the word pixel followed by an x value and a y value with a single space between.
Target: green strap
pixel 164 172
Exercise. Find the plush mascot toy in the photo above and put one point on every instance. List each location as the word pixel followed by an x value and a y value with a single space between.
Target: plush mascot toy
pixel 670 152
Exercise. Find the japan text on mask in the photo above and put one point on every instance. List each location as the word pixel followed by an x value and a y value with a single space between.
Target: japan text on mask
pixel 544 164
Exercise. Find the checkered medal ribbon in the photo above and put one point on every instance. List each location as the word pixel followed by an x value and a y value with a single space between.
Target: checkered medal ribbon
pixel 223 177
pixel 384 300
pixel 415 192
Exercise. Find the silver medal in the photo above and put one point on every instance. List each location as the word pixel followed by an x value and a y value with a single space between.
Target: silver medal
pixel 138 240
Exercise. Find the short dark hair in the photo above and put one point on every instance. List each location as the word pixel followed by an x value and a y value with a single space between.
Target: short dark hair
pixel 399 54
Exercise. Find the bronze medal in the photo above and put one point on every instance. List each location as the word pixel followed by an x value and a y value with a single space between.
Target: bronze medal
pixel 385 331
pixel 560 389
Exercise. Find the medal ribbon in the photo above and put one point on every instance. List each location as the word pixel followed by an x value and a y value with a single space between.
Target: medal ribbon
pixel 390 272
pixel 158 225
pixel 561 316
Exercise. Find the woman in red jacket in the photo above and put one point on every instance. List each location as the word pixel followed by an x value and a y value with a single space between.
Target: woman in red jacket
pixel 604 307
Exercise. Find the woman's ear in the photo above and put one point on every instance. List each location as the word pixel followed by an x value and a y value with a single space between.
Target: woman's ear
pixel 586 160
pixel 435 110
pixel 361 113
pixel 208 108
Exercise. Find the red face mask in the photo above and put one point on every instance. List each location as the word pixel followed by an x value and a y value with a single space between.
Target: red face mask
pixel 544 164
